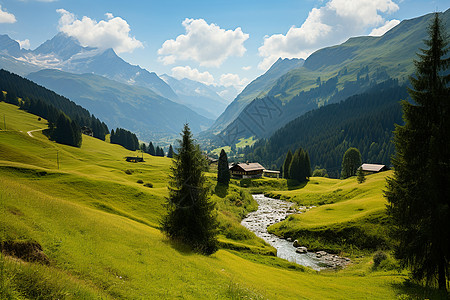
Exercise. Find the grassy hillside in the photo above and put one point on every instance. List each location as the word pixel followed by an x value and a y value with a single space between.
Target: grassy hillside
pixel 98 228
pixel 346 216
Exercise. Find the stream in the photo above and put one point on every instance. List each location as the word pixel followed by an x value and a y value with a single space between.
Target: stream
pixel 271 211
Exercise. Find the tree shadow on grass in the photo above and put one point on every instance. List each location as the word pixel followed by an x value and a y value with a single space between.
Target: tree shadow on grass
pixel 179 246
pixel 221 190
pixel 293 184
pixel 410 290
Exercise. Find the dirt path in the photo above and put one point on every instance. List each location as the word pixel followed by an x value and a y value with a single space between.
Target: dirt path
pixel 30 132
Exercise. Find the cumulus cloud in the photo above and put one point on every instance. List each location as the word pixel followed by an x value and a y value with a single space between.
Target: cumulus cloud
pixel 332 23
pixel 193 74
pixel 385 28
pixel 230 79
pixel 111 33
pixel 207 44
pixel 246 68
pixel 25 44
pixel 6 17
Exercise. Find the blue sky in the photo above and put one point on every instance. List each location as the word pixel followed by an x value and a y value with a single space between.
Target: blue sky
pixel 216 42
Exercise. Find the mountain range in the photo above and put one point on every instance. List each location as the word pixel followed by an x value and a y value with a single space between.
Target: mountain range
pixel 138 109
pixel 74 66
pixel 329 75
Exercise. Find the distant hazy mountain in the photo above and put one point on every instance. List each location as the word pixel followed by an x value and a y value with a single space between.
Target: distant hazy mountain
pixel 65 53
pixel 138 109
pixel 329 75
pixel 257 87
pixel 197 96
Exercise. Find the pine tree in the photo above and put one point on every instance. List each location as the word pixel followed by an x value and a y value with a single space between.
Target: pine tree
pixel 350 162
pixel 360 176
pixel 170 153
pixel 223 172
pixel 287 163
pixel 151 149
pixel 419 191
pixel 300 167
pixel 190 214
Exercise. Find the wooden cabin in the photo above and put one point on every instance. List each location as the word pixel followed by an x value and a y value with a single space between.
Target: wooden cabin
pixel 134 159
pixel 271 174
pixel 246 170
pixel 373 168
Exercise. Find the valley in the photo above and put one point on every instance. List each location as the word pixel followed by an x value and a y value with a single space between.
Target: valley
pixel 325 177
pixel 99 229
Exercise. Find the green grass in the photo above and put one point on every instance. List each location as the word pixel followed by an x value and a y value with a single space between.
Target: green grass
pixel 99 229
pixel 346 216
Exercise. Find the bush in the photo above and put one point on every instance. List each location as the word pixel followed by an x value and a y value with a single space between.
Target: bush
pixel 378 257
pixel 140 181
pixel 148 184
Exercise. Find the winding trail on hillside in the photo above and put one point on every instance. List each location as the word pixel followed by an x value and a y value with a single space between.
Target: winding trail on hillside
pixel 30 132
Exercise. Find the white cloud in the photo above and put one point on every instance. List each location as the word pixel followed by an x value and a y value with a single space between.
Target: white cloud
pixel 330 24
pixel 6 17
pixel 112 33
pixel 385 28
pixel 193 74
pixel 205 43
pixel 230 79
pixel 25 44
pixel 246 68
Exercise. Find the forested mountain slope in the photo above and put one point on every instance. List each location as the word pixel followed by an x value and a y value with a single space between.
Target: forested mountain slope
pixel 364 121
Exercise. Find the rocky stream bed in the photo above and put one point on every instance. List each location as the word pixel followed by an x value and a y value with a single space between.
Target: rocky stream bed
pixel 271 211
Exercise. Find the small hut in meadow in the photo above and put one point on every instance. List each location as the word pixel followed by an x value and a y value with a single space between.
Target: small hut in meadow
pixel 373 168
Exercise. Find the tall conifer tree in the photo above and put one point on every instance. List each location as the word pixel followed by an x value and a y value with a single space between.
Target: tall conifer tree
pixel 286 164
pixel 223 172
pixel 190 216
pixel 419 192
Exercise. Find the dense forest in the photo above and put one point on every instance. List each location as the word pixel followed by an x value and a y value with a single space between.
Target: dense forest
pixel 363 121
pixel 124 138
pixel 47 104
pixel 61 128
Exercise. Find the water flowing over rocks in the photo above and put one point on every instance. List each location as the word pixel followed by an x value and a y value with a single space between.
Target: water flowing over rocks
pixel 271 211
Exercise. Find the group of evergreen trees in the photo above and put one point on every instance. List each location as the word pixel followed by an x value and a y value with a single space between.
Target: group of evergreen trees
pixel 124 138
pixel 62 129
pixel 363 121
pixel 158 151
pixel 66 131
pixel 297 166
pixel 47 104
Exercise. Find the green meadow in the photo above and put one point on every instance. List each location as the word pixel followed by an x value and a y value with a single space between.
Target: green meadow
pixel 342 215
pixel 97 218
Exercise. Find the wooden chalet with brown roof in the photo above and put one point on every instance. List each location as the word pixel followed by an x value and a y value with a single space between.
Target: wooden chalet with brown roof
pixel 246 170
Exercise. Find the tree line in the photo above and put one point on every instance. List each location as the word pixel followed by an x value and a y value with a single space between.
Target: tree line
pixel 62 129
pixel 47 104
pixel 297 166
pixel 364 121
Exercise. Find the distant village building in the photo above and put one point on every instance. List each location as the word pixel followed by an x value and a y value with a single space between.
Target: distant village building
pixel 246 170
pixel 373 168
pixel 271 174
pixel 212 160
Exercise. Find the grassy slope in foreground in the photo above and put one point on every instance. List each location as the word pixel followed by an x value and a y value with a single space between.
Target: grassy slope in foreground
pixel 348 216
pixel 97 226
